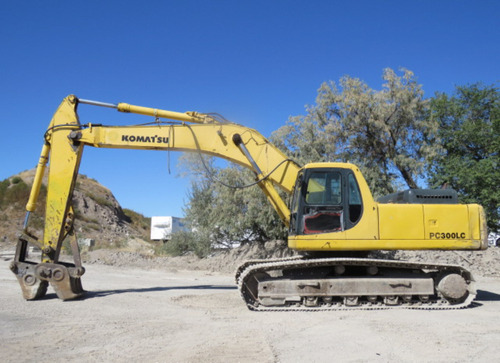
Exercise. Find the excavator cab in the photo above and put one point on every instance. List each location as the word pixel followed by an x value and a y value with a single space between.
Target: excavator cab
pixel 325 200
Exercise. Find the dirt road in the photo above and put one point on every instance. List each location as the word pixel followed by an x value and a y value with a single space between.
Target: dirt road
pixel 191 316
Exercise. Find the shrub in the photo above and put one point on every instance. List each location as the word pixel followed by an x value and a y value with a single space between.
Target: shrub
pixel 183 242
pixel 16 180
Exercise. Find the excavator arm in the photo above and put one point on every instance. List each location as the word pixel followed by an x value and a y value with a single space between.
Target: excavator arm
pixel 65 139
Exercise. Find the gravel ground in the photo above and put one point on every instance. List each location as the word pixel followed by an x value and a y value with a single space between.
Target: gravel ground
pixel 140 308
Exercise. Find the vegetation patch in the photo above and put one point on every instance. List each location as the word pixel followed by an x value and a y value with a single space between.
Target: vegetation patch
pixel 13 191
pixel 138 220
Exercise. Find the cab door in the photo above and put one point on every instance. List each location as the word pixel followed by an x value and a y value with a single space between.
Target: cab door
pixel 325 200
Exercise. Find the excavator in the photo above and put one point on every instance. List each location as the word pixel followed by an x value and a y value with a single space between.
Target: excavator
pixel 332 219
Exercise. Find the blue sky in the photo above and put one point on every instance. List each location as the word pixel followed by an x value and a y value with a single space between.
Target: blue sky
pixel 255 62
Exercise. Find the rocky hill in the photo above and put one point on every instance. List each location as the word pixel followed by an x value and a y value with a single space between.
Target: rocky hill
pixel 99 216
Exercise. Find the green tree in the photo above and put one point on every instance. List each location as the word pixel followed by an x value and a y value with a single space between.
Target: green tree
pixel 221 210
pixel 386 133
pixel 469 129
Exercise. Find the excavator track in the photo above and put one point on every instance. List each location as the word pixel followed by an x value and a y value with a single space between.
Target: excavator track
pixel 301 284
pixel 241 268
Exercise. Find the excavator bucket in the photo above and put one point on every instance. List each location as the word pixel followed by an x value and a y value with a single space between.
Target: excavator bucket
pixel 64 278
pixel 34 278
pixel 33 288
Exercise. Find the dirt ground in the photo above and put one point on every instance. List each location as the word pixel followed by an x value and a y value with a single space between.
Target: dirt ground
pixel 176 315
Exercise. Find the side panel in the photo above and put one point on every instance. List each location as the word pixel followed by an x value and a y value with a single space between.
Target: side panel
pixel 475 220
pixel 401 221
pixel 446 222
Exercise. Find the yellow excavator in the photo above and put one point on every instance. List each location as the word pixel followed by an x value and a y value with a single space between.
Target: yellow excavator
pixel 330 217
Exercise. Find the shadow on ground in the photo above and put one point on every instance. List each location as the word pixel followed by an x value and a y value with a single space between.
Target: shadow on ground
pixel 481 296
pixel 487 296
pixel 93 294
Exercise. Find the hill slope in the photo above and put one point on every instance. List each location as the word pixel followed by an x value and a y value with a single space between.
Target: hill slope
pixel 99 216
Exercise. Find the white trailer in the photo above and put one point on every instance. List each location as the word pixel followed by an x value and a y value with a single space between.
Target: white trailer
pixel 163 227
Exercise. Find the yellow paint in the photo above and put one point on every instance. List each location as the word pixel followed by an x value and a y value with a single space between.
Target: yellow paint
pixel 401 221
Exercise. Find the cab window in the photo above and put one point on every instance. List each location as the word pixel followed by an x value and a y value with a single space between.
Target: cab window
pixel 355 205
pixel 324 188
pixel 324 211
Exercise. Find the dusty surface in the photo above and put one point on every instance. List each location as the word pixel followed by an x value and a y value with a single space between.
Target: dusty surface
pixel 171 314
